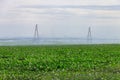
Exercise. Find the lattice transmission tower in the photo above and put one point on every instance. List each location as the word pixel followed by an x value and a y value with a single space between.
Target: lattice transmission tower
pixel 36 33
pixel 89 36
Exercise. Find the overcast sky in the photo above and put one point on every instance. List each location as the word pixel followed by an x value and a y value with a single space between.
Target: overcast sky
pixel 60 18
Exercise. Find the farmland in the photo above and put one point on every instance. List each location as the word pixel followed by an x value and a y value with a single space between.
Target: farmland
pixel 64 62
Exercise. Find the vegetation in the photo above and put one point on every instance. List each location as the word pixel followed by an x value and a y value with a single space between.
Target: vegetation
pixel 65 62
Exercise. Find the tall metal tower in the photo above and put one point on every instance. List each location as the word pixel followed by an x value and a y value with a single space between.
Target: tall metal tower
pixel 36 33
pixel 89 36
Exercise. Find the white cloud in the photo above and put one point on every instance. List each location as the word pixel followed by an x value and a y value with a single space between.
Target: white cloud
pixel 62 21
pixel 71 2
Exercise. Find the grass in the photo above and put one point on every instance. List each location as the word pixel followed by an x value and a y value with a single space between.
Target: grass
pixel 65 62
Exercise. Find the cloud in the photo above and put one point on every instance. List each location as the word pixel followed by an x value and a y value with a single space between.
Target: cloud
pixel 105 12
pixel 92 7
pixel 59 15
pixel 69 2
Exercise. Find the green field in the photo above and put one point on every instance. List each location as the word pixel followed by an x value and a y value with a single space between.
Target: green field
pixel 65 62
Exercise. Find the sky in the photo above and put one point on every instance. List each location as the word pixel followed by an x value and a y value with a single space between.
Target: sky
pixel 60 18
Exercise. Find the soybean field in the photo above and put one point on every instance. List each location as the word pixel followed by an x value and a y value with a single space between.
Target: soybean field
pixel 60 62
